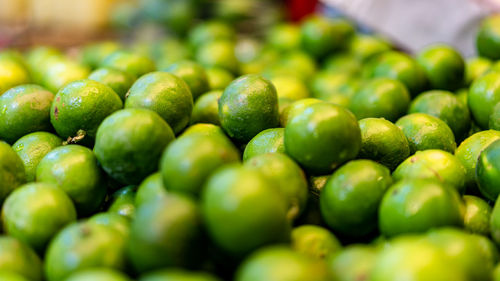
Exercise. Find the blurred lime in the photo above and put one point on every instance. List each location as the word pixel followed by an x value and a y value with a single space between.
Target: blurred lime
pixel 218 54
pixel 321 36
pixel 363 46
pixel 218 78
pixel 354 263
pixel 484 94
pixel 475 68
pixel 315 241
pixel 444 67
pixel 206 108
pixel 94 53
pixel 12 173
pixel 18 257
pixel 193 74
pixel 12 74
pixel 488 171
pixel 284 37
pixel 116 79
pixel 209 31
pixel 477 215
pixel 267 141
pixel 131 63
pixel 290 87
pixel 488 38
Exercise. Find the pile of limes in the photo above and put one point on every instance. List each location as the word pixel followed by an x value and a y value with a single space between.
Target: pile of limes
pixel 315 154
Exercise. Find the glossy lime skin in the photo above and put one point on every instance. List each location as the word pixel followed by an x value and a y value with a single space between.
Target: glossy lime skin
pixel 488 171
pixel 35 212
pixel 32 148
pixel 417 205
pixel 122 202
pixel 206 108
pixel 189 160
pixel 433 164
pixel 218 78
pixel 12 173
pixel 295 108
pixel 209 31
pixel 242 211
pixel 445 106
pixel 444 67
pixel 383 142
pixel 320 35
pixel 204 129
pixel 315 241
pixel 351 197
pixel 354 263
pixel 131 63
pixel 248 105
pixel 93 54
pixel 18 257
pixel 484 94
pixel 177 275
pixel 415 259
pixel 193 74
pixel 116 79
pixel 81 246
pixel 112 220
pixel 380 97
pixel 98 274
pixel 399 66
pixel 219 53
pixel 164 93
pixel 82 105
pixel 12 74
pixel 475 68
pixel 424 131
pixel 469 150
pixel 130 142
pixel 310 134
pixel 477 215
pixel 280 263
pixel 75 170
pixel 150 189
pixel 364 47
pixel 286 176
pixel 267 141
pixel 24 109
pixel 164 233
pixel 488 38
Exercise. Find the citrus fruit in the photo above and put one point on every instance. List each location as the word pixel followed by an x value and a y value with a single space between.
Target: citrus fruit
pixel 98 274
pixel 206 108
pixel 267 141
pixel 315 241
pixel 444 67
pixel 11 276
pixel 59 71
pixel 193 74
pixel 488 38
pixel 495 223
pixel 484 94
pixel 122 201
pixel 150 189
pixel 12 173
pixel 218 78
pixel 116 79
pixel 284 37
pixel 345 63
pixel 364 47
pixel 296 64
pixel 94 53
pixel 494 120
pixel 477 215
pixel 134 64
pixel 353 263
pixel 475 68
pixel 114 221
pixel 18 257
pixel 290 87
pixel 295 108
pixel 219 53
pixel 209 31
pixel 177 275
pixel 12 74
pixel 488 171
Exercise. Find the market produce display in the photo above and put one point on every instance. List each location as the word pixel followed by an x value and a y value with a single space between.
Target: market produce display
pixel 311 152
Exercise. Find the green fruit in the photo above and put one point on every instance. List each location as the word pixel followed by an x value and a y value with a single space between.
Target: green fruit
pixel 116 79
pixel 351 197
pixel 444 67
pixel 75 170
pixel 17 257
pixel 129 144
pixel 484 94
pixel 433 164
pixel 60 71
pixel 314 241
pixel 488 171
pixel 284 37
pixel 115 221
pixel 494 119
pixel 495 223
pixel 417 205
pixel 93 54
pixel 209 31
pixel 383 142
pixel 133 64
pixel 297 64
pixel 445 106
pixel 204 129
pixel 364 47
pixel 267 141
pixel 218 53
pixel 24 109
pixel 354 263
pixel 290 87
pixel 248 106
pixel 381 97
pixel 150 189
pixel 189 160
pixel 12 173
pixel 177 275
pixel 206 108
pixel 12 74
pixel 193 74
pixel 310 134
pixel 164 233
pixel 475 68
pixel 424 132
pixel 11 276
pixel 295 108
pixel 98 274
pixel 218 78
pixel 122 202
pixel 80 107
pixel 343 63
pixel 325 84
pixel 84 245
pixel 488 38
pixel 242 211
pixel 321 36
pixel 477 215
pixel 164 93
pixel 37 58
pixel 32 148
pixel 35 212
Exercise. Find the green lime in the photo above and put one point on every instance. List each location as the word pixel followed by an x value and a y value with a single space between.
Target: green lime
pixel 209 31
pixel 424 131
pixel 112 220
pixel 164 93
pixel 380 97
pixel 296 63
pixel 94 53
pixel 484 94
pixel 383 142
pixel 354 263
pixel 286 176
pixel 134 64
pixel 98 274
pixel 75 170
pixel 295 108
pixel 444 67
pixel 488 171
pixel 343 63
pixel 193 74
pixel 129 144
pixel 12 73
pixel 496 273
pixel 150 189
pixel 488 38
pixel 189 160
pixel 364 47
pixel 477 215
pixel 445 106
pixel 203 129
pixel 37 58
pixel 433 164
pixel 122 202
pixel 351 197
pixel 310 134
pixel 60 71
pixel 218 78
pixel 281 263
pixel 18 257
pixel 24 109
pixel 164 233
pixel 248 105
pixel 315 241
pixel 15 56
pixel 218 53
pixel 35 212
pixel 417 205
pixel 116 79
pixel 242 211
pixel 170 50
pixel 267 141
pixel 206 108
pixel 284 37
pixel 475 68
pixel 495 223
pixel 177 275
pixel 11 276
pixel 494 120
pixel 290 87
pixel 12 173
pixel 264 59
pixel 84 245
pixel 324 84
pixel 468 153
